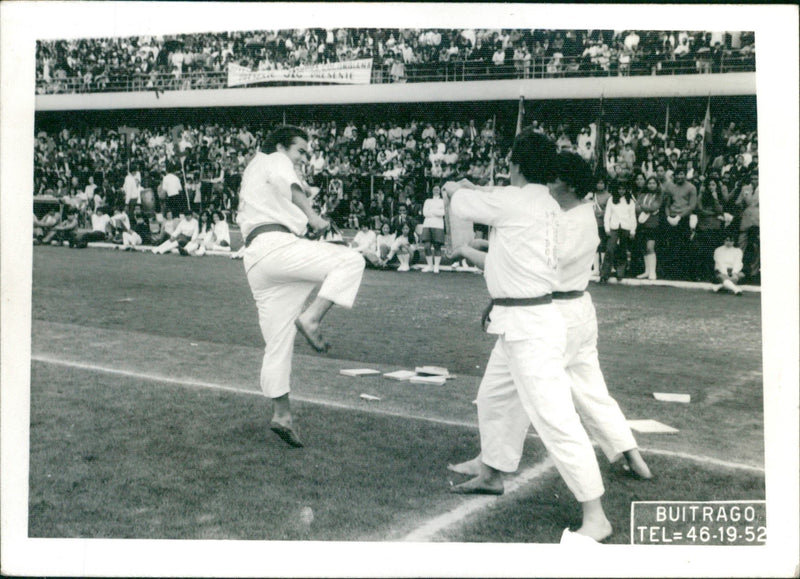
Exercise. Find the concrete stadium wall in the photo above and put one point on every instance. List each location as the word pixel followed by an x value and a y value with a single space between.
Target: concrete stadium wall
pixel 729 84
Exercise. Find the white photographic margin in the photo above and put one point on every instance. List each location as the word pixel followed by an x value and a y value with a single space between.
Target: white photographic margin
pixel 777 89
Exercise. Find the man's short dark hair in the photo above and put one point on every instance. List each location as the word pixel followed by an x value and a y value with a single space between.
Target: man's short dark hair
pixel 575 172
pixel 283 135
pixel 536 156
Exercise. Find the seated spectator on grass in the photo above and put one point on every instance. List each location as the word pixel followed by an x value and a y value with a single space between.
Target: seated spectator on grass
pixel 119 224
pixel 162 227
pixel 42 227
pixel 65 230
pixel 728 265
pixel 220 239
pixel 100 231
pixel 186 230
pixel 205 232
pixel 366 240
pixel 133 238
pixel 404 247
pixel 384 242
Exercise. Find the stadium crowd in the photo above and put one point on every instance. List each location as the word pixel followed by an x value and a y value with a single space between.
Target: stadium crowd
pixel 196 61
pixel 662 194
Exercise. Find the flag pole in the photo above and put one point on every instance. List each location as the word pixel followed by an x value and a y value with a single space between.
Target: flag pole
pixel 706 136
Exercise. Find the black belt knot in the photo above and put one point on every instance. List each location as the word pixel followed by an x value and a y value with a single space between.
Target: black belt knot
pixel 514 302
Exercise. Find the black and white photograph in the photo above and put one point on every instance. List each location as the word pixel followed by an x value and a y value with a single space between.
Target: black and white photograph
pixel 399 290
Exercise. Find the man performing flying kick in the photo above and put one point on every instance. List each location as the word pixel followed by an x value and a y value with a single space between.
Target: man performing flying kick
pixel 283 268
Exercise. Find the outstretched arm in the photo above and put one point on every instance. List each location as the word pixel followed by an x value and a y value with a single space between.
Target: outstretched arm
pixel 475 256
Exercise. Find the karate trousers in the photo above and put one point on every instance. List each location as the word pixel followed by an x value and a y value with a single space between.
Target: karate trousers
pixel 525 383
pixel 282 271
pixel 599 412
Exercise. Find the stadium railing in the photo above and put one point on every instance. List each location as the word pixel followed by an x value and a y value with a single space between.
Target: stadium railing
pixel 453 71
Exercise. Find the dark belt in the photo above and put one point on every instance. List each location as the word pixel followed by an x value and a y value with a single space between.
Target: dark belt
pixel 572 295
pixel 514 302
pixel 266 228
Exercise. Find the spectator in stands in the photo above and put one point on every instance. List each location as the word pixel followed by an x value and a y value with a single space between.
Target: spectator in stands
pixel 680 201
pixel 433 230
pixel 358 213
pixel 172 188
pixel 749 224
pixel 620 226
pixel 728 264
pixel 648 208
pixel 132 188
pixel 710 218
pixel 600 199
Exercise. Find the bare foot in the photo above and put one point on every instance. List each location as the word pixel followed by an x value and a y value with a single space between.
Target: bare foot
pixel 479 485
pixel 469 467
pixel 596 529
pixel 286 433
pixel 310 331
pixel 638 467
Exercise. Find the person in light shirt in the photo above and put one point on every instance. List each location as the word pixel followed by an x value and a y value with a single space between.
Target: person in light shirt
pixel 187 230
pixel 728 265
pixel 599 412
pixel 433 230
pixel 283 268
pixel 526 365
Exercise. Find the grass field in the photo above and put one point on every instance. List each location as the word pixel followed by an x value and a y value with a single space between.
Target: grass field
pixel 147 422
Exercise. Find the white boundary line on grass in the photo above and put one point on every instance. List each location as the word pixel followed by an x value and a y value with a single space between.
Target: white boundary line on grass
pixel 213 386
pixel 460 423
pixel 434 526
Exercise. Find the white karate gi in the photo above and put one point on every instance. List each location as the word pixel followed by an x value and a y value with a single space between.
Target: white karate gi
pixel 526 364
pixel 599 412
pixel 282 268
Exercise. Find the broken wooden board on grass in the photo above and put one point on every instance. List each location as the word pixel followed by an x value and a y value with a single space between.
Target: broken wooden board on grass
pixel 358 372
pixel 435 380
pixel 672 397
pixel 401 375
pixel 650 426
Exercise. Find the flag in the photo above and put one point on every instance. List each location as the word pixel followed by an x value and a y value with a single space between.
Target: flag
pixel 520 114
pixel 706 144
pixel 600 143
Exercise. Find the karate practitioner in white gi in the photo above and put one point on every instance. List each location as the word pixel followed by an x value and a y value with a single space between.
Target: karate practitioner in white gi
pixel 598 410
pixel 526 365
pixel 283 268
